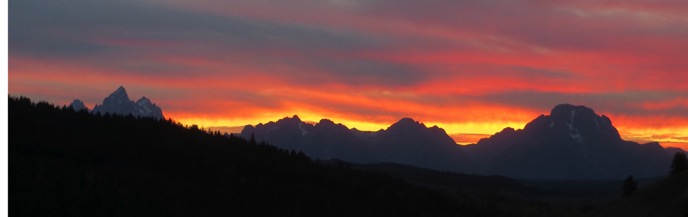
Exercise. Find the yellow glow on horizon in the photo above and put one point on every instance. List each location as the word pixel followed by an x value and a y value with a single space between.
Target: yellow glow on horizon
pixel 208 122
pixel 462 132
pixel 487 128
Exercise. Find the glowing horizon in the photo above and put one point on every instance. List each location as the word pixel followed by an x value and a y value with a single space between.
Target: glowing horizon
pixel 470 67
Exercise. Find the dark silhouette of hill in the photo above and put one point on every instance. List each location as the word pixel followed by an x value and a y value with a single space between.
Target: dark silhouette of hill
pixel 571 143
pixel 668 197
pixel 118 102
pixel 405 142
pixel 442 179
pixel 73 163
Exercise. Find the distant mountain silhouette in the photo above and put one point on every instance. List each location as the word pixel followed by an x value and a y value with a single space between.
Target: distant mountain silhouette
pixel 573 142
pixel 95 165
pixel 119 103
pixel 405 142
pixel 78 105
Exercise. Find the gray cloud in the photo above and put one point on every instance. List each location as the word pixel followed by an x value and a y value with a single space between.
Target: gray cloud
pixel 39 22
pixel 360 71
pixel 625 103
pixel 76 29
pixel 545 24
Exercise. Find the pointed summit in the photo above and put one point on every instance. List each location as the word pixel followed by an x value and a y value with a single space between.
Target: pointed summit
pixel 143 101
pixel 120 92
pixel 119 97
pixel 120 89
pixel 118 102
pixel 78 105
pixel 146 108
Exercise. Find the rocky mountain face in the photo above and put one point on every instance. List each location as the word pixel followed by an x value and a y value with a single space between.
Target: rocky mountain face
pixel 572 142
pixel 118 102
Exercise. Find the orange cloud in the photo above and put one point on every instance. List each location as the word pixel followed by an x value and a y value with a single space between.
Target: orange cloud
pixel 472 68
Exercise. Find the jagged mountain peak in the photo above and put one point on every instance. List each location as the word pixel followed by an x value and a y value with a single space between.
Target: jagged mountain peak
pixel 572 142
pixel 118 102
pixel 78 105
pixel 407 141
pixel 120 89
pixel 120 94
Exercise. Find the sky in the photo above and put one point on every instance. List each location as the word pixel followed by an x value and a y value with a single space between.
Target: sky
pixel 470 67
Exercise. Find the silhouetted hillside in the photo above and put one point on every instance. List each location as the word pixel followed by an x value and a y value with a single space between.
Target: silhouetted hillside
pixel 405 142
pixel 667 198
pixel 441 179
pixel 68 163
pixel 571 143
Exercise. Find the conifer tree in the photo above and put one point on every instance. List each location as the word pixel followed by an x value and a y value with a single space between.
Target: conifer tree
pixel 679 164
pixel 253 140
pixel 629 186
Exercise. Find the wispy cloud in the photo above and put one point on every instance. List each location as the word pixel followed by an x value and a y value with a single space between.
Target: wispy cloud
pixel 455 63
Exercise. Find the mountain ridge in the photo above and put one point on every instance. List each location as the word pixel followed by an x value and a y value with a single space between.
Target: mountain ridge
pixel 118 102
pixel 90 165
pixel 328 140
pixel 571 142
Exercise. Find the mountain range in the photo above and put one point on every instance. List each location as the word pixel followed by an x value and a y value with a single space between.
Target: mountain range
pixel 405 142
pixel 118 102
pixel 571 143
pixel 125 165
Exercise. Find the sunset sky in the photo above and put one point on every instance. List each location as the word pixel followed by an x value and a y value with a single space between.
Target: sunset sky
pixel 470 67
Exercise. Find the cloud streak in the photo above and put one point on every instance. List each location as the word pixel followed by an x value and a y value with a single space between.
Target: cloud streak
pixel 472 67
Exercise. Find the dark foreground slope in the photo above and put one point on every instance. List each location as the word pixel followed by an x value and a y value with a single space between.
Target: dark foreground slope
pixel 465 183
pixel 67 163
pixel 667 197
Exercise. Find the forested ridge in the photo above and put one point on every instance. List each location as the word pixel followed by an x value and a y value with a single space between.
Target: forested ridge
pixel 68 163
